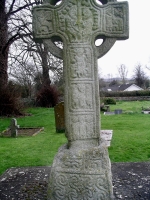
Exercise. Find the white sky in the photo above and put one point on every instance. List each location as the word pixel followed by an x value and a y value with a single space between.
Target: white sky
pixel 134 50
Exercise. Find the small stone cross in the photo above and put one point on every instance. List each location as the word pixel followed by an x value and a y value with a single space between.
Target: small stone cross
pixel 14 127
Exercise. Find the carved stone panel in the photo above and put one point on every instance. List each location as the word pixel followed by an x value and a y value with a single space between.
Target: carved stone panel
pixel 91 161
pixel 78 20
pixel 115 20
pixel 79 186
pixel 82 126
pixel 80 62
pixel 81 96
pixel 43 22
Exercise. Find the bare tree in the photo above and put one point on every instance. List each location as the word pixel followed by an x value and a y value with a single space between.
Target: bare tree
pixel 33 61
pixel 24 75
pixel 123 72
pixel 25 50
pixel 11 29
pixel 139 76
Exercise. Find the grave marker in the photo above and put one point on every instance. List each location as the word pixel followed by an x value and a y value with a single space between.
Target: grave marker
pixel 82 169
pixel 59 117
pixel 14 127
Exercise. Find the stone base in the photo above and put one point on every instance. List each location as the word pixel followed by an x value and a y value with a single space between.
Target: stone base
pixel 81 175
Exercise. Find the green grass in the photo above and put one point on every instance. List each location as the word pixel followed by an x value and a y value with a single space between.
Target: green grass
pixel 130 142
pixel 38 150
pixel 131 133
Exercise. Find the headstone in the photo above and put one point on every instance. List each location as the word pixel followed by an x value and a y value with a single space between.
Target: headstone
pixel 81 170
pixel 146 112
pixel 106 135
pixel 59 117
pixel 109 113
pixel 14 127
pixel 118 111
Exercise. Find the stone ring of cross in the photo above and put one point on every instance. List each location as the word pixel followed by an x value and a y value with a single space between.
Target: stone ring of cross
pixel 102 49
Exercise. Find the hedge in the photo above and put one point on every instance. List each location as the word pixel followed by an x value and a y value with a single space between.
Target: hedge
pixel 126 94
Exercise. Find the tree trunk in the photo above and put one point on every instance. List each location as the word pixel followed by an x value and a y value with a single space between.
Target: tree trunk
pixel 3 42
pixel 46 80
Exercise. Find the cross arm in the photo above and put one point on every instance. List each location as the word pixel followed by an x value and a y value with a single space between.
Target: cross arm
pixel 113 26
pixel 43 22
pixel 114 21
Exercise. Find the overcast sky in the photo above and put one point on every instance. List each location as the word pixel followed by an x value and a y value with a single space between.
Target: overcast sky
pixel 134 50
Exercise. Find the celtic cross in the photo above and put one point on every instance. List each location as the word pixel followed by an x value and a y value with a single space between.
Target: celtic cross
pixel 78 23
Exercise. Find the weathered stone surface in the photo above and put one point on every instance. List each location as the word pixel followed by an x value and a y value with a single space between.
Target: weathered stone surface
pixel 78 24
pixel 80 174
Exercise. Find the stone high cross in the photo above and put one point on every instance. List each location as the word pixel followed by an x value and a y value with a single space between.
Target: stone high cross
pixel 82 169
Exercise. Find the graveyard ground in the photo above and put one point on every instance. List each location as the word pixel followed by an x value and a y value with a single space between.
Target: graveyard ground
pixel 130 141
pixel 129 152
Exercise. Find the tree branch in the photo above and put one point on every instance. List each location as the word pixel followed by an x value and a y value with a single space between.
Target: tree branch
pixel 11 7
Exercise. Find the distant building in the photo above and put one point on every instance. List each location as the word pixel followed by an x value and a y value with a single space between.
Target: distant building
pixel 123 88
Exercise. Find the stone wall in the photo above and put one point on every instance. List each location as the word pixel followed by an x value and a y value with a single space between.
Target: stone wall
pixel 141 98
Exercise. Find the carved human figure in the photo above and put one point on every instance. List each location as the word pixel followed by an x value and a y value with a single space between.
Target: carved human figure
pixel 117 21
pixel 87 21
pixel 71 24
pixel 89 125
pixel 75 98
pixel 87 69
pixel 108 18
pixel 88 97
pixel 82 131
pixel 75 127
pixel 73 65
pixel 80 63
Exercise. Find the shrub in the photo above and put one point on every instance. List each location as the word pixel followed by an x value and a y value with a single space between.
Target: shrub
pixel 109 101
pixel 10 104
pixel 47 97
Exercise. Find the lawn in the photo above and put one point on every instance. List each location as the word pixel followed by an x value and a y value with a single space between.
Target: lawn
pixel 38 150
pixel 130 143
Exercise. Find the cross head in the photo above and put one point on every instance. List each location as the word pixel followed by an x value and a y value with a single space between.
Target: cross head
pixel 79 23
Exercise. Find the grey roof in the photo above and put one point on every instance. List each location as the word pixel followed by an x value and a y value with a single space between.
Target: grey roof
pixel 113 88
pixel 116 88
pixel 125 86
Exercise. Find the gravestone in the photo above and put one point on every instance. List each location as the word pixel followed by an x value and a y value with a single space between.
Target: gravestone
pixel 59 117
pixel 14 127
pixel 118 111
pixel 81 169
pixel 106 135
